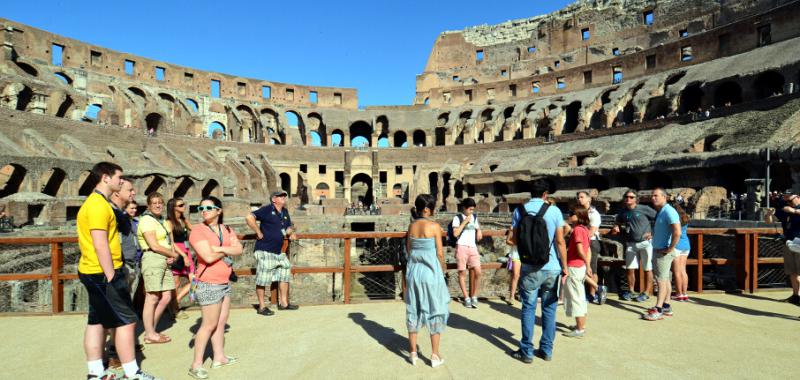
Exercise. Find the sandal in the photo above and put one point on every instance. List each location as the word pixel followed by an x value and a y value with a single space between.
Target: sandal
pixel 198 373
pixel 161 339
pixel 231 361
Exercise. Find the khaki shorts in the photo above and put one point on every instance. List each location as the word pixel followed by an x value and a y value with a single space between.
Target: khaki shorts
pixel 791 261
pixel 575 292
pixel 156 273
pixel 636 252
pixel 662 265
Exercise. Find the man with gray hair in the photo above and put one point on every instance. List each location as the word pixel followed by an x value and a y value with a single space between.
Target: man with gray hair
pixel 634 223
pixel 666 234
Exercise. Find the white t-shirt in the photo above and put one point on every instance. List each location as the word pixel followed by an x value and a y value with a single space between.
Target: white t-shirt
pixel 594 221
pixel 467 237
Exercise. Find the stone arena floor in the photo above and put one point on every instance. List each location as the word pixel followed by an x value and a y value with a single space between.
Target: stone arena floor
pixel 714 336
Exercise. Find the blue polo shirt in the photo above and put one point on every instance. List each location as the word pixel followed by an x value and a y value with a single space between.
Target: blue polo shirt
pixel 662 232
pixel 553 218
pixel 272 222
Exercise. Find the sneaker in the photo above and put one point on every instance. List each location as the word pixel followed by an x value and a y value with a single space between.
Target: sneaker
pixel 602 294
pixel 575 333
pixel 413 358
pixel 667 310
pixel 265 312
pixel 521 357
pixel 541 355
pixel 626 296
pixel 198 373
pixel 793 299
pixel 642 297
pixel 675 297
pixel 467 302
pixel 474 302
pixel 436 361
pixel 653 315
pixel 141 375
pixel 684 298
pixel 288 307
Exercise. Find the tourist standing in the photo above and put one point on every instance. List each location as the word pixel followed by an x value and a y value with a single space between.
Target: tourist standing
pixel 666 234
pixel 540 280
pixel 468 231
pixel 157 255
pixel 597 293
pixel 790 219
pixel 274 225
pixel 183 267
pixel 100 270
pixel 635 224
pixel 682 254
pixel 578 270
pixel 215 244
pixel 514 264
pixel 426 295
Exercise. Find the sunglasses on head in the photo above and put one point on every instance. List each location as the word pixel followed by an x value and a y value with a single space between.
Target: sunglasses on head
pixel 207 208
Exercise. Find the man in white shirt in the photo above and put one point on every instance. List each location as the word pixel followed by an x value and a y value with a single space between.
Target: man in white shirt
pixel 596 295
pixel 468 232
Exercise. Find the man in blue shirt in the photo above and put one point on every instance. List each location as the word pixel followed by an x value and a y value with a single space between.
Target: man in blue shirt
pixel 272 264
pixel 666 234
pixel 542 280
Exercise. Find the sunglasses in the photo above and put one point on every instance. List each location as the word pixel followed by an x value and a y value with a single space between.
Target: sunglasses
pixel 180 205
pixel 207 208
pixel 629 197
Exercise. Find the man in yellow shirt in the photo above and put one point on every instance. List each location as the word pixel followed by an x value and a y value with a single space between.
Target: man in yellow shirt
pixel 100 270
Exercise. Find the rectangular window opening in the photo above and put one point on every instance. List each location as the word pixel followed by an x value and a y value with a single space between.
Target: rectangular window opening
pixel 290 94
pixel 446 97
pixel 188 77
pixel 490 93
pixel 455 78
pixel 398 170
pixel 686 53
pixel 479 55
pixel 383 176
pixel 585 34
pixel 323 169
pixel 617 77
pixel 303 168
pixel 468 94
pixel 535 87
pixel 764 35
pixel 215 86
pixel 266 92
pixel 557 64
pixel 615 51
pixel 130 67
pixel 648 18
pixel 241 88
pixel 650 62
pixel 160 71
pixel 313 97
pixel 337 98
pixel 57 54
pixel 504 73
pixel 531 49
pixel 561 83
pixel 513 89
pixel 95 58
pixel 587 77
pixel 683 33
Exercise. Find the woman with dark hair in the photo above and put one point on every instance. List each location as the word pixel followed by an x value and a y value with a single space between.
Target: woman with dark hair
pixel 578 270
pixel 179 228
pixel 679 264
pixel 427 295
pixel 214 244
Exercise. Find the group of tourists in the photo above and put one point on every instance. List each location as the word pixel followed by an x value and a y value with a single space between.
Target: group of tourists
pixel 543 260
pixel 118 249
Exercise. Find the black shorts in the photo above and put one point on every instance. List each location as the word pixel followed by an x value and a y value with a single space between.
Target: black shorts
pixel 595 247
pixel 109 302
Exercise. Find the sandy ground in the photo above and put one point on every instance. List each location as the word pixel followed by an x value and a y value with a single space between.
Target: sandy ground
pixel 714 336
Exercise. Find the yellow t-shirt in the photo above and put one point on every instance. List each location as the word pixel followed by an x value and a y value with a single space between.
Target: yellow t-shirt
pixel 96 214
pixel 149 223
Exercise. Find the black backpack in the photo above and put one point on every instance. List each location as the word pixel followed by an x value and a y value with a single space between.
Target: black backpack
pixel 452 239
pixel 533 241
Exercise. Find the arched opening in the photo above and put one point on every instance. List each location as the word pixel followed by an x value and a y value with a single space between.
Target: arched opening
pixel 499 188
pixel 166 97
pixel 361 189
pixel 626 180
pixel 28 69
pixel 573 118
pixel 11 177
pixel 433 183
pixel 627 114
pixel 769 83
pixel 441 133
pixel 397 190
pixel 156 185
pixel 442 120
pixel 598 120
pixel 656 107
pixel 183 188
pixel 193 106
pixel 88 184
pixel 92 111
pixel 138 91
pixel 24 98
pixel 419 138
pixel 691 99
pixel 446 188
pixel 508 112
pixel 658 179
pixel 153 122
pixel 400 140
pixel 458 190
pixel 598 182
pixel 316 139
pixel 383 141
pixel 315 123
pixel 53 184
pixel 337 138
pixel 322 191
pixel 211 188
pixel 360 134
pixel 274 141
pixel 216 131
pixel 64 107
pixel 63 78
pixel 727 94
pixel 286 183
pixel 543 128
pixel 486 115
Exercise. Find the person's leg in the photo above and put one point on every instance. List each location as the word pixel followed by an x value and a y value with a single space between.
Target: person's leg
pixel 151 299
pixel 435 339
pixel 631 266
pixel 549 291
pixel 124 337
pixel 684 276
pixel 462 276
pixel 93 341
pixel 183 291
pixel 461 267
pixel 594 251
pixel 476 284
pixel 647 262
pixel 795 279
pixel 514 280
pixel 528 295
pixel 162 304
pixel 283 289
pixel 208 323
pixel 412 342
pixel 260 296
pixel 218 337
pixel 580 323
pixel 631 274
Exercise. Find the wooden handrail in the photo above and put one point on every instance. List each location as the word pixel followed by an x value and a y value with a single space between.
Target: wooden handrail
pixel 747 260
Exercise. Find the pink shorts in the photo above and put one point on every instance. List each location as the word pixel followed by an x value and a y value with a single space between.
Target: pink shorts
pixel 467 257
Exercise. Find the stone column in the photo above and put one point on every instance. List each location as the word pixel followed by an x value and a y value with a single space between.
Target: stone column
pixel 440 190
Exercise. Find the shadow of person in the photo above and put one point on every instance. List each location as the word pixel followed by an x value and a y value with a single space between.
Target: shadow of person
pixel 497 336
pixel 626 306
pixel 743 310
pixel 193 329
pixel 385 336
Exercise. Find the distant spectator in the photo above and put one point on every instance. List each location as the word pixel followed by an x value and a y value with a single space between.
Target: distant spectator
pixel 467 230
pixel 666 235
pixel 634 223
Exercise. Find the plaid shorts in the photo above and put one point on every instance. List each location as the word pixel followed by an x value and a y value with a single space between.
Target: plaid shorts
pixel 271 268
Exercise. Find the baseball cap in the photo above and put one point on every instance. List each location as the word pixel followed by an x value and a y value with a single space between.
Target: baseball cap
pixel 279 193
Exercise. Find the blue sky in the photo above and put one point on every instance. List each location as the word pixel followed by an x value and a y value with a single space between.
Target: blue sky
pixel 377 47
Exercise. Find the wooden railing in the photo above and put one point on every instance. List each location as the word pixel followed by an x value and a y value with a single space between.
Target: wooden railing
pixel 746 259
